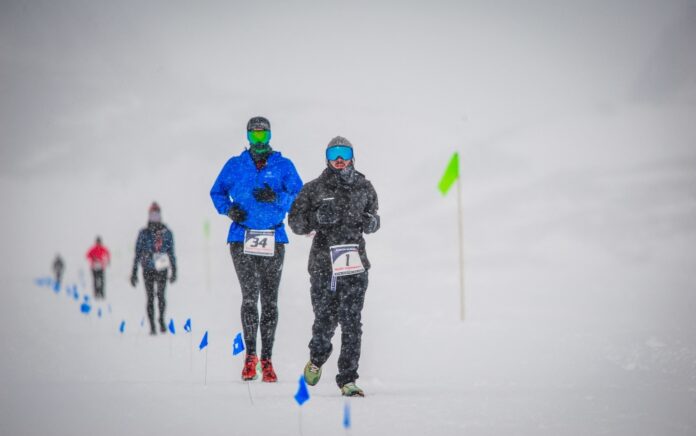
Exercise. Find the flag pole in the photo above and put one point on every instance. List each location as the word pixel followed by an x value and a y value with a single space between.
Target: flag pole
pixel 300 415
pixel 251 399
pixel 461 250
pixel 206 366
pixel 206 254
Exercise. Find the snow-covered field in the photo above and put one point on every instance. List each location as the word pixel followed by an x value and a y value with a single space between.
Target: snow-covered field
pixel 578 153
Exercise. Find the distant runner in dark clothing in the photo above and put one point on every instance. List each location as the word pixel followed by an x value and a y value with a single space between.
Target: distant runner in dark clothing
pixel 58 268
pixel 154 251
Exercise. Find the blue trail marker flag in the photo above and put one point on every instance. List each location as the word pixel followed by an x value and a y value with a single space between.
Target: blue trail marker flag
pixel 122 327
pixel 238 345
pixel 85 307
pixel 302 394
pixel 346 415
pixel 187 326
pixel 171 326
pixel 204 341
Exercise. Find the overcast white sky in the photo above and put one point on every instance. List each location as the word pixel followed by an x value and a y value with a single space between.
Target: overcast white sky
pixel 85 82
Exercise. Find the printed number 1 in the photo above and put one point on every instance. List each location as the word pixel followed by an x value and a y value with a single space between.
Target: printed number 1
pixel 348 259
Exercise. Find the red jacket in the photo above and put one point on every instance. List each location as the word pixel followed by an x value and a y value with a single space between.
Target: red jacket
pixel 98 257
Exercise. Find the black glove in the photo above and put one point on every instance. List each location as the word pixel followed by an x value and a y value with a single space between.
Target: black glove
pixel 134 279
pixel 326 214
pixel 236 213
pixel 370 223
pixel 265 194
pixel 172 278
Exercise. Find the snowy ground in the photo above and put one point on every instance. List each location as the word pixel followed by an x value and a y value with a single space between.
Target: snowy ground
pixel 579 196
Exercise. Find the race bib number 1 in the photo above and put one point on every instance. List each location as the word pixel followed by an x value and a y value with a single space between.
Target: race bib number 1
pixel 259 242
pixel 345 260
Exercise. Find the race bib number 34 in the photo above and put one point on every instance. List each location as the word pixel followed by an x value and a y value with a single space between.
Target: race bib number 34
pixel 259 242
pixel 345 260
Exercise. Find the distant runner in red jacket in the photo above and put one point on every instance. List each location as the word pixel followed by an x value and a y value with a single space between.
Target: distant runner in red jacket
pixel 99 258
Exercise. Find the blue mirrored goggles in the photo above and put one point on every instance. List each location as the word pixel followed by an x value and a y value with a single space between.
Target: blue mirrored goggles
pixel 342 151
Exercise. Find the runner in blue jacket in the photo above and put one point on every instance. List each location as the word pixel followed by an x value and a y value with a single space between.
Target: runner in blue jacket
pixel 256 190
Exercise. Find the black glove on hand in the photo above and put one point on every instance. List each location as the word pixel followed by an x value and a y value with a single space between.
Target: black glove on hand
pixel 134 279
pixel 237 214
pixel 265 194
pixel 326 214
pixel 172 278
pixel 370 222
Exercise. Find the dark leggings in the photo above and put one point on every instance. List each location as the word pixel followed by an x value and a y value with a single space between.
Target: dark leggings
pixel 98 276
pixel 258 276
pixel 154 278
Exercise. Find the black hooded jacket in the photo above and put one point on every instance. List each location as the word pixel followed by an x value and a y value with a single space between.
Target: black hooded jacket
pixel 349 199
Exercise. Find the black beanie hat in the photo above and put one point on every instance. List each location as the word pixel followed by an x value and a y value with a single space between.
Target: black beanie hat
pixel 258 123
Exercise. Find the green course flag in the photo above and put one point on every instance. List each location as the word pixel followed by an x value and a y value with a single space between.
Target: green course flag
pixel 451 174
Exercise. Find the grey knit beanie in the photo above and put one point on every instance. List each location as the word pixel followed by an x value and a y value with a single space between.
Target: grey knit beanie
pixel 339 140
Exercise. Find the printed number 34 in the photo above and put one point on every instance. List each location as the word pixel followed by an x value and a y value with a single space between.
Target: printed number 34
pixel 256 241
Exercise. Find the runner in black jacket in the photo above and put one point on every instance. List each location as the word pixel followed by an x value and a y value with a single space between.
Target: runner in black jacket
pixel 154 251
pixel 340 205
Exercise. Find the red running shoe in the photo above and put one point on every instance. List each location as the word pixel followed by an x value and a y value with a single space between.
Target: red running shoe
pixel 269 376
pixel 249 370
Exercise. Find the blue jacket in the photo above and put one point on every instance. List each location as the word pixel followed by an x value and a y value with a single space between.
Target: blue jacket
pixel 145 247
pixel 235 185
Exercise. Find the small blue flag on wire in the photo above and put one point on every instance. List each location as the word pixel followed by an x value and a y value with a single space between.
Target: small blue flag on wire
pixel 85 307
pixel 99 312
pixel 187 326
pixel 122 327
pixel 171 326
pixel 238 345
pixel 76 294
pixel 204 341
pixel 302 394
pixel 346 415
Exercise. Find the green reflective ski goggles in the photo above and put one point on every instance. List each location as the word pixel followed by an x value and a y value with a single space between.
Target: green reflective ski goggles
pixel 259 136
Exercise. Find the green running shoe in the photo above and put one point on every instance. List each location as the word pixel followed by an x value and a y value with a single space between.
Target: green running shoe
pixel 312 373
pixel 351 390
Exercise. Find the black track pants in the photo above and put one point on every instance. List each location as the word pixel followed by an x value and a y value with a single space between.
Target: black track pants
pixel 155 279
pixel 98 278
pixel 331 308
pixel 259 276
